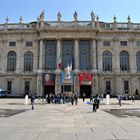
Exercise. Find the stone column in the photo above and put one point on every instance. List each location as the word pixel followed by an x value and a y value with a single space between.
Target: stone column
pixel 99 54
pixel 76 54
pixel 132 57
pixel 58 53
pixel 20 60
pixel 116 59
pixel 93 51
pixel 39 84
pixel 41 54
pixel 58 71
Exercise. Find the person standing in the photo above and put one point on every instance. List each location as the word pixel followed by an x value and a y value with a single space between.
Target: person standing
pixel 84 97
pixel 32 101
pixel 120 100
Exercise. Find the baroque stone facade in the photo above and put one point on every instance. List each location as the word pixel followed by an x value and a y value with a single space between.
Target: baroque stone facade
pixel 109 52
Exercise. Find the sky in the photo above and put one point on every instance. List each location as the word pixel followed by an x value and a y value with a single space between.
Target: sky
pixel 105 9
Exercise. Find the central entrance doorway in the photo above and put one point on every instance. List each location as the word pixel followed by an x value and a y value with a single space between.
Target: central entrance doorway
pixel 49 89
pixel 67 88
pixel 85 89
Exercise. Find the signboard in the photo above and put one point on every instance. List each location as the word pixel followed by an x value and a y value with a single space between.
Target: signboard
pixel 67 79
pixel 85 78
pixel 49 79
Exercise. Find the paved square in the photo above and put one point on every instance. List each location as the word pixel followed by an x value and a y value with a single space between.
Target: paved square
pixel 67 122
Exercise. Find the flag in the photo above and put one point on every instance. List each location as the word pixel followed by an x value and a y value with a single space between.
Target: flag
pixel 89 77
pixel 59 64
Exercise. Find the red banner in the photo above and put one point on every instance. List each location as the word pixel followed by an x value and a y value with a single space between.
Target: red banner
pixel 49 79
pixel 85 78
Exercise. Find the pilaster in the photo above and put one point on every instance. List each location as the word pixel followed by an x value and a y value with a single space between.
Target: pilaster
pixel 76 54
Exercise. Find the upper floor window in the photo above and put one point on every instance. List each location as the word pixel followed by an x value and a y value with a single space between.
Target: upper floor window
pixel 84 55
pixel 106 43
pixel 12 43
pixel 138 60
pixel 29 44
pixel 28 61
pixel 107 61
pixel 124 60
pixel 67 52
pixel 11 61
pixel 50 55
pixel 123 43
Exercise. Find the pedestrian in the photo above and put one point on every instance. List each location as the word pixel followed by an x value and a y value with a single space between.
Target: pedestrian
pixel 76 99
pixel 91 98
pixel 120 100
pixel 72 99
pixel 32 101
pixel 95 104
pixel 84 97
pixel 133 98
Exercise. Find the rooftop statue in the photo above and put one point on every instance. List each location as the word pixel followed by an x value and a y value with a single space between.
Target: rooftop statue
pixel 75 16
pixel 92 15
pixel 42 15
pixel 59 16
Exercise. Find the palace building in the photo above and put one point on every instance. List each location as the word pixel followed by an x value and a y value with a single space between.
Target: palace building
pixel 70 56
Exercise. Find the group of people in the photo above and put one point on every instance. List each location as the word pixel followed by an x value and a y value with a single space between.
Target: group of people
pixel 59 98
pixel 65 98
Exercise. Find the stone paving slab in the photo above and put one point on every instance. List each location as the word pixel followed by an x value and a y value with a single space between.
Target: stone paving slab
pixel 67 122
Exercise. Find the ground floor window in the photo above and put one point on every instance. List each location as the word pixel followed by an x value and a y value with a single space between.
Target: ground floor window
pixel 126 86
pixel 27 87
pixel 108 87
pixel 9 87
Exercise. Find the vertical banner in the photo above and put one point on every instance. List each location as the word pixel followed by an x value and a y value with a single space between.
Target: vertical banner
pixel 49 79
pixel 65 79
pixel 85 78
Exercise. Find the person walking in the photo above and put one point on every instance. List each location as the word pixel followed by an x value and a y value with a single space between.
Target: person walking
pixel 32 101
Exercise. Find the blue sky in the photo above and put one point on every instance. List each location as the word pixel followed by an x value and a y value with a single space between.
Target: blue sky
pixel 105 9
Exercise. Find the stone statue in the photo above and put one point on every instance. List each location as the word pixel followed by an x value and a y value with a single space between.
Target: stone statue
pixel 75 16
pixel 93 15
pixel 42 15
pixel 59 16
pixel 68 71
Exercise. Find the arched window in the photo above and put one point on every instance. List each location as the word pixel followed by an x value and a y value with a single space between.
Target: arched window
pixel 107 61
pixel 67 52
pixel 11 61
pixel 138 60
pixel 85 55
pixel 50 55
pixel 28 61
pixel 124 60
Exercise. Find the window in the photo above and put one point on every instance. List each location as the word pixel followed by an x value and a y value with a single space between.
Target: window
pixel 107 61
pixel 11 61
pixel 138 43
pixel 124 61
pixel 29 44
pixel 108 87
pixel 27 87
pixel 28 61
pixel 126 86
pixel 67 52
pixel 106 43
pixel 12 44
pixel 138 60
pixel 123 43
pixel 50 55
pixel 85 55
pixel 9 87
